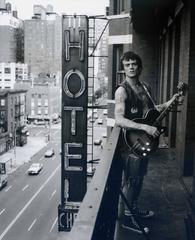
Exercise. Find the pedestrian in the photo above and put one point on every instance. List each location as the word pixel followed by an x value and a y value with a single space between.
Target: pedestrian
pixel 133 100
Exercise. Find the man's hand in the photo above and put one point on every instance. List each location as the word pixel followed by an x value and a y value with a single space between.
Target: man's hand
pixel 152 131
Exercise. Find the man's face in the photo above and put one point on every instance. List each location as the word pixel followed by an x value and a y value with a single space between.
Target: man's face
pixel 131 68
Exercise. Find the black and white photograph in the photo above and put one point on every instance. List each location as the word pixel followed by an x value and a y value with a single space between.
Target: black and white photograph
pixel 97 120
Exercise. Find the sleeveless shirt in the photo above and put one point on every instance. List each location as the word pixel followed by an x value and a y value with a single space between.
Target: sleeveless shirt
pixel 136 106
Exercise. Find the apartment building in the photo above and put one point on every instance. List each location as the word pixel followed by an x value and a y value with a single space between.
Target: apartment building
pixel 12 119
pixel 42 43
pixel 10 73
pixel 11 34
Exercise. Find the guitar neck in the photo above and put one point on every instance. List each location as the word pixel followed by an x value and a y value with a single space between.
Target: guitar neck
pixel 164 113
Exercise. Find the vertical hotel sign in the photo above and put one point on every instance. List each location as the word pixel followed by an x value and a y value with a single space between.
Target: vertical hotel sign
pixel 74 118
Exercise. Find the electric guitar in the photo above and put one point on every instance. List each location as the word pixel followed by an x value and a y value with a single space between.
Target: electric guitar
pixel 143 144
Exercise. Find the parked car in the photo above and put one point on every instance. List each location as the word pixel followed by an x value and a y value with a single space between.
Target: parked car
pixel 3 180
pixel 95 115
pixel 100 121
pixel 105 111
pixel 49 153
pixel 40 122
pixel 97 141
pixel 35 168
pixel 104 134
pixel 90 171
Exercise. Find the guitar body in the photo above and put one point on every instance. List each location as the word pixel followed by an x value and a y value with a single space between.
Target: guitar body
pixel 140 143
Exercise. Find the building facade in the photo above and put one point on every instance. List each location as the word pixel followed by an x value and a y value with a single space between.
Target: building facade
pixel 10 73
pixel 43 101
pixel 12 119
pixel 42 43
pixel 11 35
pixel 162 33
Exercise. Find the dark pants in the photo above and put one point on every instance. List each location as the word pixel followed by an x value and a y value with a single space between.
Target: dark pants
pixel 135 169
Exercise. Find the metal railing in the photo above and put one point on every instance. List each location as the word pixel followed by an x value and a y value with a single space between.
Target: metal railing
pixel 97 214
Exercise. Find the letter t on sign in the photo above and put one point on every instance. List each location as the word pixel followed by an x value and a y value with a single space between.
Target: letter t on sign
pixel 73 117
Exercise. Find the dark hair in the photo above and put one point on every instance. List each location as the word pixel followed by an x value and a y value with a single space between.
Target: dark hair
pixel 133 56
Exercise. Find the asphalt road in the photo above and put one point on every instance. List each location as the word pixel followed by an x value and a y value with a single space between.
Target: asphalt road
pixel 28 205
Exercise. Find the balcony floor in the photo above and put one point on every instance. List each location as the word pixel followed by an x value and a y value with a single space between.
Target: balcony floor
pixel 166 196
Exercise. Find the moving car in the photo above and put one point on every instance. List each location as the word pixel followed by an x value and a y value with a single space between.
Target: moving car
pixel 3 180
pixel 97 142
pixel 49 153
pixel 35 168
pixel 90 171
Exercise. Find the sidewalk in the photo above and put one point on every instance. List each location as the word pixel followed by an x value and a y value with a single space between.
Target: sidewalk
pixel 23 154
pixel 165 195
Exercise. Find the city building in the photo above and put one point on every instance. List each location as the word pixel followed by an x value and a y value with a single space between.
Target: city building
pixel 163 35
pixel 12 72
pixel 12 119
pixel 11 35
pixel 43 43
pixel 43 101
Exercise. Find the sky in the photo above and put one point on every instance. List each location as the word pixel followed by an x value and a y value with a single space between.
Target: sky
pixel 87 7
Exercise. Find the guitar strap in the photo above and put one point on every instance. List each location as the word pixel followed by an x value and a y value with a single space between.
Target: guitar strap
pixel 147 92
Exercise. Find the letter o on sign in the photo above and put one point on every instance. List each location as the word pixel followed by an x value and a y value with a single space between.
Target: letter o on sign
pixel 66 83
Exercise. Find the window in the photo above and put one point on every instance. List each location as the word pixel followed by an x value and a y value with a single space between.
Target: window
pixel 32 112
pixel 46 102
pixel 39 110
pixel 32 102
pixel 46 111
pixel 2 102
pixel 7 70
pixel 39 102
pixel 2 114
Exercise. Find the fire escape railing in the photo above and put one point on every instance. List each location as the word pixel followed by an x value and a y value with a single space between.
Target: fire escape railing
pixel 97 215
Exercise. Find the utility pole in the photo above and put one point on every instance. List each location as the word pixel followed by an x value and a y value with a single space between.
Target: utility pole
pixel 15 143
pixel 49 128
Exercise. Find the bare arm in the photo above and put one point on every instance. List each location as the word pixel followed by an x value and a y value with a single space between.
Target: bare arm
pixel 121 121
pixel 163 106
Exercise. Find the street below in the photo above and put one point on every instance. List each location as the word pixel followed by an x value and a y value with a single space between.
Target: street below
pixel 28 204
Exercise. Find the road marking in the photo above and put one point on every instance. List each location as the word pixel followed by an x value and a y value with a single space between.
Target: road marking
pixel 53 158
pixel 41 158
pixel 6 190
pixel 55 133
pixel 25 187
pixel 32 224
pixel 38 133
pixel 53 225
pixel 2 211
pixel 28 203
pixel 54 192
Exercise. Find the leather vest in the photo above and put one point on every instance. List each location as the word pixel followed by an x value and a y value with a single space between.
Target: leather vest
pixel 134 105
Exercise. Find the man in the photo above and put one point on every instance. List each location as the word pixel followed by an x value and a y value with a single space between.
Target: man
pixel 132 100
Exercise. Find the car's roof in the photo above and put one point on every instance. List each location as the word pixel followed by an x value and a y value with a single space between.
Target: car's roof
pixel 35 164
